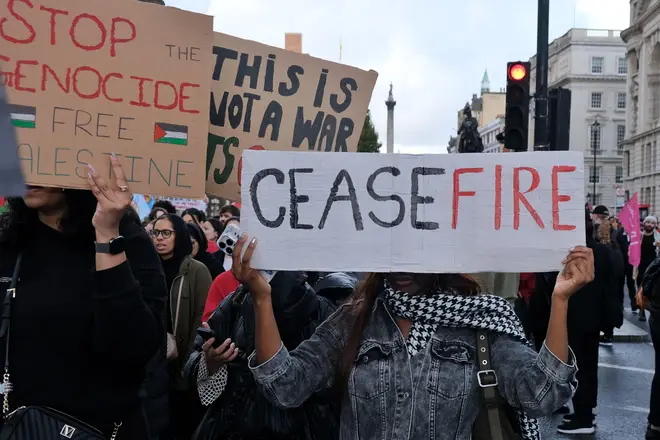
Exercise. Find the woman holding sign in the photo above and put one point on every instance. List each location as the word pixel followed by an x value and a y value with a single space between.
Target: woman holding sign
pixel 414 356
pixel 85 312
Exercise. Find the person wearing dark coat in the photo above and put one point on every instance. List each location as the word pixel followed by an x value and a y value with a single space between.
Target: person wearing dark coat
pixel 200 251
pixel 156 404
pixel 241 412
pixel 613 317
pixel 96 316
pixel 586 314
pixel 651 292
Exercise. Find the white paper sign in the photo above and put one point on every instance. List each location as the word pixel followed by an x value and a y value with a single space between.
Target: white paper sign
pixel 440 213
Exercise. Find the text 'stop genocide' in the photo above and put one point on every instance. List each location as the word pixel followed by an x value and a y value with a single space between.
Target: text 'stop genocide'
pixel 85 79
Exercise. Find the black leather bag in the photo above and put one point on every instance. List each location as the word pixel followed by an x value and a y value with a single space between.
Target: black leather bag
pixel 496 420
pixel 36 422
pixel 43 423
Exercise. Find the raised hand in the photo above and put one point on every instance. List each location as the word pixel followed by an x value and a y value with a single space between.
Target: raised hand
pixel 244 273
pixel 578 272
pixel 112 199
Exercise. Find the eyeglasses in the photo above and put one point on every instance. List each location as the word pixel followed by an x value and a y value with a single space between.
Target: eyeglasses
pixel 165 233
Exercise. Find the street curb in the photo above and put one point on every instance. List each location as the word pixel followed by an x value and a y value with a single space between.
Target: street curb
pixel 631 338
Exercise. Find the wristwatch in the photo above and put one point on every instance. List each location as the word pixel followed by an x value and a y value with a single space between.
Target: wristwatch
pixel 114 247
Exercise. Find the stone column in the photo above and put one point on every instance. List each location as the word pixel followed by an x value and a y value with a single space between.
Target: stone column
pixel 390 103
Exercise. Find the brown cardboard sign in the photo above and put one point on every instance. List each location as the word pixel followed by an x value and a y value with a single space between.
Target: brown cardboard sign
pixel 86 79
pixel 266 98
pixel 11 177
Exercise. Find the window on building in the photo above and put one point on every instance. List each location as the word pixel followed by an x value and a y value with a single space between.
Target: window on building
pixel 596 100
pixel 647 165
pixel 626 162
pixel 618 178
pixel 621 101
pixel 647 195
pixel 594 138
pixel 622 66
pixel 594 199
pixel 620 133
pixel 594 174
pixel 620 136
pixel 597 64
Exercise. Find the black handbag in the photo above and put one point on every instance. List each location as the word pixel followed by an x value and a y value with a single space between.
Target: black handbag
pixel 496 420
pixel 36 422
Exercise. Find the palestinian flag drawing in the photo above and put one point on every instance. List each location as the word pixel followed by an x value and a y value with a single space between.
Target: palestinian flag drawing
pixel 23 116
pixel 170 134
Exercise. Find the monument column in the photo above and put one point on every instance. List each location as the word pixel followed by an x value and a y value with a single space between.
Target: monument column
pixel 390 103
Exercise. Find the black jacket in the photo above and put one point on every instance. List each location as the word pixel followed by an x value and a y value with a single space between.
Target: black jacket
pixel 241 411
pixel 156 403
pixel 651 286
pixel 95 331
pixel 587 308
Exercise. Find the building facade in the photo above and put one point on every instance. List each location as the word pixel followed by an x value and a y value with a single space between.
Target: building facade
pixel 489 134
pixel 592 64
pixel 640 161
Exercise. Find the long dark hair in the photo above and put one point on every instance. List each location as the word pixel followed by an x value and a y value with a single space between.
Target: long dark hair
pixel 361 307
pixel 18 223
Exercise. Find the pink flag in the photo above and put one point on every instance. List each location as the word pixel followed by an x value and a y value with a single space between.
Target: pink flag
pixel 629 218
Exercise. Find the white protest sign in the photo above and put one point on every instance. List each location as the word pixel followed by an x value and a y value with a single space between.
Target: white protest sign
pixel 439 213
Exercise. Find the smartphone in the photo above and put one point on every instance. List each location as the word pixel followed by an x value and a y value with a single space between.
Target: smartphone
pixel 206 334
pixel 228 239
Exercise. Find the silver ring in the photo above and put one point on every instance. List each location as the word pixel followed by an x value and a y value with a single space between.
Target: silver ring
pixel 123 188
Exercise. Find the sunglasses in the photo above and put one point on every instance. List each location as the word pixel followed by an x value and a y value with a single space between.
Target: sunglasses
pixel 165 233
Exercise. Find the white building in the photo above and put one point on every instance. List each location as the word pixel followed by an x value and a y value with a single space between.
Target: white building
pixel 488 135
pixel 641 165
pixel 592 64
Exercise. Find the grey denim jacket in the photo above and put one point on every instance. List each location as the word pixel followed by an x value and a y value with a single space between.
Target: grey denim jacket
pixel 433 395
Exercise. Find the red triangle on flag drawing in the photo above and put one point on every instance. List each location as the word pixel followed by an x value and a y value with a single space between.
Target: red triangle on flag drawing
pixel 159 133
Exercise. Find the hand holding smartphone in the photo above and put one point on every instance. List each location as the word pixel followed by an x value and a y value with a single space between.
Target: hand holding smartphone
pixel 206 333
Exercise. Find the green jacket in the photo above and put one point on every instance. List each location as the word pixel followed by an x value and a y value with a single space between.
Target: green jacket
pixel 187 299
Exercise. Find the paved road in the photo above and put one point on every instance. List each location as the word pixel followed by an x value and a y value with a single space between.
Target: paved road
pixel 625 374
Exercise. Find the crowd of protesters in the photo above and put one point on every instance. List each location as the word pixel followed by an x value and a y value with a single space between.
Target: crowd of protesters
pixel 157 330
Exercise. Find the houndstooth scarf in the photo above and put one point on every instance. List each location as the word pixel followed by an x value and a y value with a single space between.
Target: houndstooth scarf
pixel 448 309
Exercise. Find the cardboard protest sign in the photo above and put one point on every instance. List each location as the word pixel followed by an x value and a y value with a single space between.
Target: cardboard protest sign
pixel 265 98
pixel 436 213
pixel 11 178
pixel 86 79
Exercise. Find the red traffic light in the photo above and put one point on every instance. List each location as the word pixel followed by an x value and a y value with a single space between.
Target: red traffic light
pixel 517 72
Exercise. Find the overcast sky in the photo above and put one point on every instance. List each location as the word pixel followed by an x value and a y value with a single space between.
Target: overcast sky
pixel 434 52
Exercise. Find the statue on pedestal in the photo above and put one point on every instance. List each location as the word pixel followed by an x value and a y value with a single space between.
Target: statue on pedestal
pixel 469 138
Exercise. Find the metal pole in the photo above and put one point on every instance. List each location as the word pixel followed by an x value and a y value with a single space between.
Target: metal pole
pixel 541 96
pixel 594 129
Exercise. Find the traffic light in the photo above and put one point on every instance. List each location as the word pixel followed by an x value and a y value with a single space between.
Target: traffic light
pixel 559 118
pixel 516 119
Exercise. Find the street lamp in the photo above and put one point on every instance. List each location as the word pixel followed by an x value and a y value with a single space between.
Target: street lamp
pixel 595 127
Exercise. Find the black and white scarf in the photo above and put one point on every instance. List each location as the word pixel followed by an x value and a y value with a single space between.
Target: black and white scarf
pixel 448 309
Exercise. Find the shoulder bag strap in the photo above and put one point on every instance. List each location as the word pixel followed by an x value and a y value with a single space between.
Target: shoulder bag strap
pixel 6 326
pixel 178 306
pixel 487 380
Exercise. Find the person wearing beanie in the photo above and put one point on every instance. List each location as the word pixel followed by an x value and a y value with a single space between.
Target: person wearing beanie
pixel 650 246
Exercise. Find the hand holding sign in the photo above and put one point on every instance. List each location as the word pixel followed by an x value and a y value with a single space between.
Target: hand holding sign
pixel 245 274
pixel 112 201
pixel 578 272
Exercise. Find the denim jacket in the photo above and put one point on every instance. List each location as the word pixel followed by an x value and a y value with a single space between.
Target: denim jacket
pixel 433 395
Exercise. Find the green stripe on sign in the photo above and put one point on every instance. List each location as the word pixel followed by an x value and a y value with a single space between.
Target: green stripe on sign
pixel 173 141
pixel 23 124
